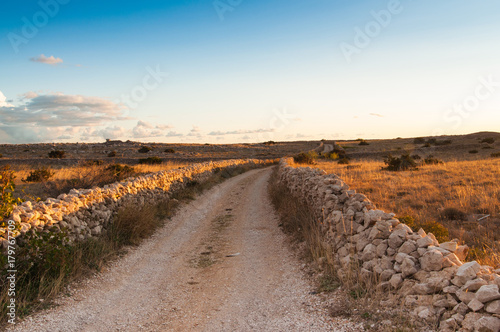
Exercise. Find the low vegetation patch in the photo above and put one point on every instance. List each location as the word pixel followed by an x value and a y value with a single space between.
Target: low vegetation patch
pixel 144 149
pixel 403 163
pixel 57 154
pixel 39 175
pixel 151 161
pixel 306 158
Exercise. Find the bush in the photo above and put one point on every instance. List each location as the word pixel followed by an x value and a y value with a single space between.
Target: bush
pixel 144 149
pixel 416 157
pixel 57 154
pixel 363 142
pixel 120 171
pixel 169 151
pixel 332 156
pixel 151 161
pixel 94 162
pixel 473 151
pixel 443 142
pixel 419 140
pixel 440 232
pixel 495 155
pixel 452 214
pixel 427 145
pixel 7 188
pixel 112 154
pixel 431 141
pixel 306 158
pixel 430 160
pixel 489 140
pixel 408 221
pixel 344 161
pixel 270 143
pixel 1 155
pixel 404 163
pixel 39 175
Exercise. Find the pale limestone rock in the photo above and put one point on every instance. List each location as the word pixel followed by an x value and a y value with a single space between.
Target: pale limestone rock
pixel 425 242
pixel 487 324
pixel 487 293
pixel 462 252
pixel 466 272
pixel 408 267
pixel 474 285
pixel 461 309
pixel 475 305
pixel 432 260
pixel 396 280
pixel 470 320
pixel 450 246
pixel 369 253
pixel 408 247
pixel 465 296
pixel 493 307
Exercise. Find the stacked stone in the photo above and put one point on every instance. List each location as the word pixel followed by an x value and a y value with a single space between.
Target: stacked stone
pixel 87 212
pixel 427 276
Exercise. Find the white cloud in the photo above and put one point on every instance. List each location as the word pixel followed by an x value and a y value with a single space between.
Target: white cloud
pixel 52 110
pixel 3 101
pixel 377 115
pixel 174 134
pixel 144 129
pixel 240 132
pixel 51 60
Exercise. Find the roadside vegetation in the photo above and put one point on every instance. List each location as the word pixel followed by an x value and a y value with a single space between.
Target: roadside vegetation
pixel 47 262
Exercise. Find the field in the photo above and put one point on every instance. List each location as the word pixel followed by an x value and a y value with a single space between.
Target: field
pixel 462 193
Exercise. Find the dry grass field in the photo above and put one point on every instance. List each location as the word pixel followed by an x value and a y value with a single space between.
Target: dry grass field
pixel 462 193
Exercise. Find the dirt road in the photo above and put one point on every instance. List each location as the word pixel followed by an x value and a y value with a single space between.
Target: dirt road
pixel 221 264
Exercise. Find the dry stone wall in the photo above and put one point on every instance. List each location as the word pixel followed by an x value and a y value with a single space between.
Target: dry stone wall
pixel 87 212
pixel 426 276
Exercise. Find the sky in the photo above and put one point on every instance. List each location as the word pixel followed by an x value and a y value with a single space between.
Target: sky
pixel 241 71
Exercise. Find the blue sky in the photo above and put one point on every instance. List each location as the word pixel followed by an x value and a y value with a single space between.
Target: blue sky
pixel 231 71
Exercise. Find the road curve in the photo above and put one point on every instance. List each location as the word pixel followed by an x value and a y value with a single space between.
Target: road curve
pixel 221 264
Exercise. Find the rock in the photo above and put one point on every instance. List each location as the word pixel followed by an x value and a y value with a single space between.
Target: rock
pixel 454 259
pixel 450 246
pixel 369 253
pixel 396 280
pixel 408 247
pixel 475 305
pixel 474 285
pixel 461 309
pixel 408 267
pixel 470 320
pixel 487 324
pixel 386 275
pixel 432 260
pixel 425 242
pixel 450 289
pixel 465 296
pixel 462 252
pixel 488 293
pixel 493 307
pixel 466 272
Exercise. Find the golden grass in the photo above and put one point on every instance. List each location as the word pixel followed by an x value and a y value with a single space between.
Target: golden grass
pixel 472 187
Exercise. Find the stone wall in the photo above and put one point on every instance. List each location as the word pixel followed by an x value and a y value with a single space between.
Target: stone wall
pixel 87 212
pixel 428 277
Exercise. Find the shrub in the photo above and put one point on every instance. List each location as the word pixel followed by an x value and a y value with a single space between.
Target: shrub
pixel 431 141
pixel 427 145
pixel 487 147
pixel 120 171
pixel 94 162
pixel 363 142
pixel 151 161
pixel 495 155
pixel 57 154
pixel 169 151
pixel 473 151
pixel 1 155
pixel 404 163
pixel 306 158
pixel 332 156
pixel 419 140
pixel 344 161
pixel 408 221
pixel 452 214
pixel 440 232
pixel 430 160
pixel 443 142
pixel 39 175
pixel 416 157
pixel 144 149
pixel 7 188
pixel 489 140
pixel 112 154
pixel 270 143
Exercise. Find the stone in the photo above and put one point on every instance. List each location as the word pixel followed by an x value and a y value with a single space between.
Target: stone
pixel 425 242
pixel 466 272
pixel 487 324
pixel 493 307
pixel 369 253
pixel 475 305
pixel 450 246
pixel 408 267
pixel 396 280
pixel 386 275
pixel 432 260
pixel 450 289
pixel 462 252
pixel 461 309
pixel 423 289
pixel 465 296
pixel 454 259
pixel 408 247
pixel 470 320
pixel 474 285
pixel 488 293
